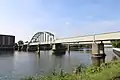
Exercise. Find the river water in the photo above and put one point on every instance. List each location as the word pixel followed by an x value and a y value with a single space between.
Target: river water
pixel 14 65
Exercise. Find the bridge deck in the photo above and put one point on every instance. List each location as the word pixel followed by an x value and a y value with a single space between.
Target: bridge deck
pixel 88 39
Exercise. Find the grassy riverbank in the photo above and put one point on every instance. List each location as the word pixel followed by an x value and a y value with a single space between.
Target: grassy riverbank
pixel 107 71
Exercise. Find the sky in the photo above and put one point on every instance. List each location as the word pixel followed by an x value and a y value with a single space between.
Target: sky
pixel 64 18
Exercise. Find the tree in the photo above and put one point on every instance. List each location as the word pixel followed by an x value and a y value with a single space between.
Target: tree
pixel 20 43
pixel 26 41
pixel 116 43
pixel 16 45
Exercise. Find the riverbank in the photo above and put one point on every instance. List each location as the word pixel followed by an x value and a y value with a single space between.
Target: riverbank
pixel 107 71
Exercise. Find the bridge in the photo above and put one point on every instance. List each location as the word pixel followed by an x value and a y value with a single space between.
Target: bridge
pixel 97 41
pixel 42 38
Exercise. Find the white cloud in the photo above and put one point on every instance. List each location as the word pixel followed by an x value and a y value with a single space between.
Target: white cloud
pixel 67 23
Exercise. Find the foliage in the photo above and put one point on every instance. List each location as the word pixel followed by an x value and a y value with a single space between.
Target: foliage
pixel 16 44
pixel 106 71
pixel 116 43
pixel 26 41
pixel 20 42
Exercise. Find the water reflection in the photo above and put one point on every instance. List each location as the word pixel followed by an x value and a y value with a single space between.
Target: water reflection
pixel 20 64
pixel 6 53
pixel 60 54
pixel 96 61
pixel 38 54
pixel 58 61
pixel 6 64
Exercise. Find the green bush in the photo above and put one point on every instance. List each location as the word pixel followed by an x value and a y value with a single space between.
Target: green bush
pixel 116 43
pixel 106 71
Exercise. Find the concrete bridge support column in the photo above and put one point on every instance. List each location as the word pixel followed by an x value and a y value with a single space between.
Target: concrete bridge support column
pixel 98 50
pixel 27 48
pixel 68 48
pixel 97 61
pixel 38 48
pixel 58 49
pixel 33 48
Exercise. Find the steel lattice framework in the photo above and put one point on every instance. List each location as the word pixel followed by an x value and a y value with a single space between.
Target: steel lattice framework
pixel 42 37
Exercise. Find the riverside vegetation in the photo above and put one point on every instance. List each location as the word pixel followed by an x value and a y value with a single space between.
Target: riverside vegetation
pixel 106 71
pixel 116 43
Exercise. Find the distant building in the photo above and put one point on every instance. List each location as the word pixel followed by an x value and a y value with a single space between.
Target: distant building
pixel 7 42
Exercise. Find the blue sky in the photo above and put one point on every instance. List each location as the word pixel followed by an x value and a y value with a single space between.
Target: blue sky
pixel 64 18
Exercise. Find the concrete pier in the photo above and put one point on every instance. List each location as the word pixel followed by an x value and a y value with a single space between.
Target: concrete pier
pixel 58 49
pixel 38 49
pixel 33 48
pixel 97 61
pixel 98 50
pixel 45 47
pixel 68 48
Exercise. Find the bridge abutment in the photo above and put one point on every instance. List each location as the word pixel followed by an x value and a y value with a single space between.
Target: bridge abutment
pixel 98 50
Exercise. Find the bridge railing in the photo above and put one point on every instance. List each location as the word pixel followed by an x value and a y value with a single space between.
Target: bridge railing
pixel 90 38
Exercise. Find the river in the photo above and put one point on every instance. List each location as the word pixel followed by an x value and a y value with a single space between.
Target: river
pixel 15 65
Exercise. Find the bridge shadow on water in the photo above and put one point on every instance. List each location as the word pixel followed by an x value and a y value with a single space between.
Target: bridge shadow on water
pixel 60 54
